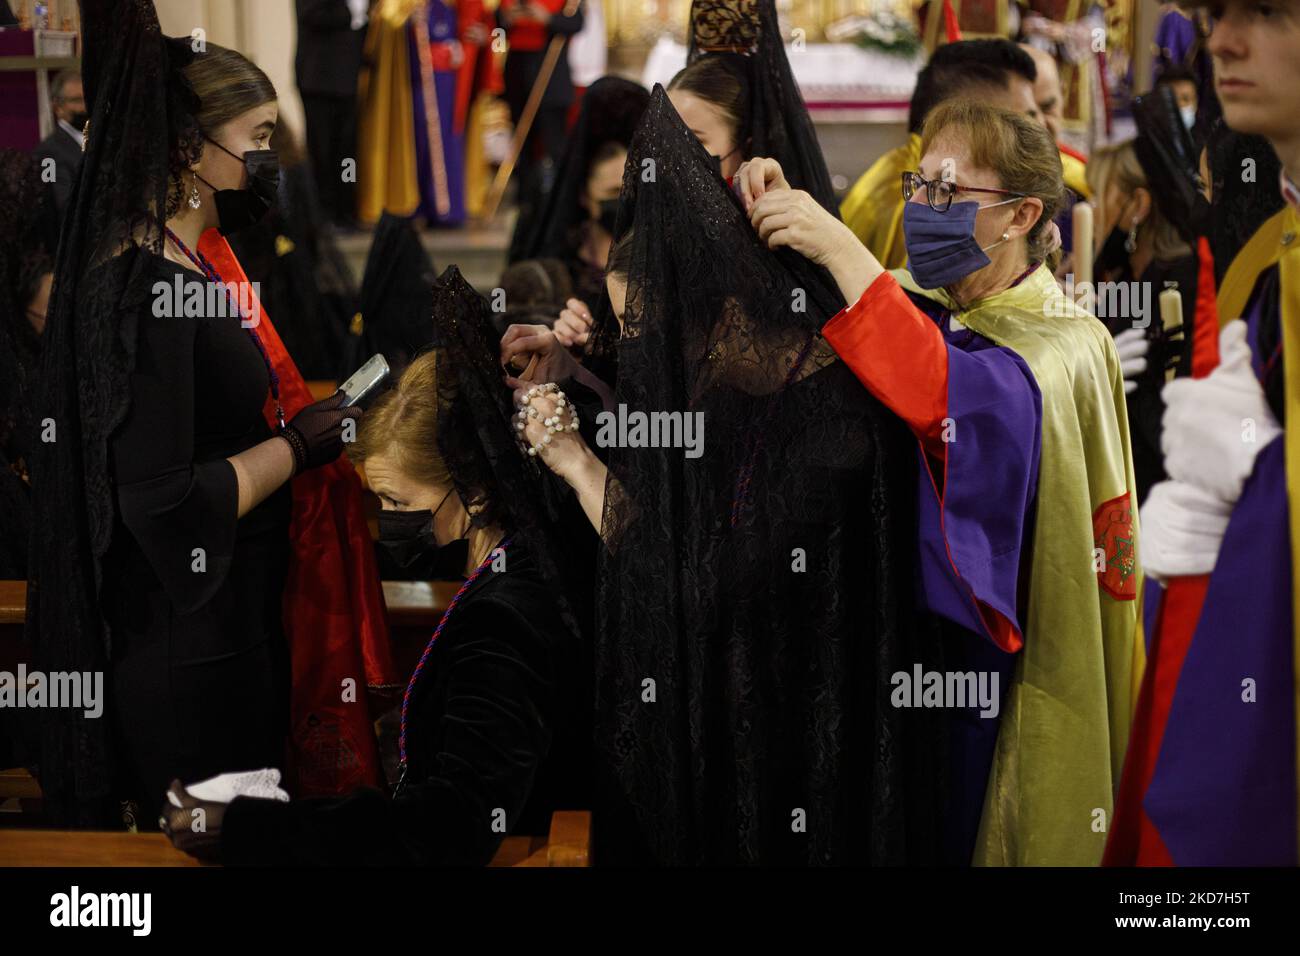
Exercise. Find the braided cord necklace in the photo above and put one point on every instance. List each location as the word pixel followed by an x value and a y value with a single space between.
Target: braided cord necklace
pixel 201 263
pixel 428 648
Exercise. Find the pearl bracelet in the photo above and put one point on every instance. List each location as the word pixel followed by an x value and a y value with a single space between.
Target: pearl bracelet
pixel 553 423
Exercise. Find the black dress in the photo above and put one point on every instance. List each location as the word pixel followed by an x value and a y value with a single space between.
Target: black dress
pixel 498 739
pixel 199 670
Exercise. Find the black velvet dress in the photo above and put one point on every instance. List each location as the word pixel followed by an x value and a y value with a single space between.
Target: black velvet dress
pixel 198 679
pixel 498 739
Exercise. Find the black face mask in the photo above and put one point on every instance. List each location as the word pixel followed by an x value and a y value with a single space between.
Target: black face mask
pixel 408 539
pixel 78 120
pixel 608 214
pixel 1112 257
pixel 717 161
pixel 240 208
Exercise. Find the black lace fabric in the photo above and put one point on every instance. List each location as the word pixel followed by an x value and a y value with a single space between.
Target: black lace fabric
pixel 754 601
pixel 496 481
pixel 140 118
pixel 26 254
pixel 780 124
pixel 610 111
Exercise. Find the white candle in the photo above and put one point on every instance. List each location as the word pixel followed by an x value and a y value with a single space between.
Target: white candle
pixel 1082 219
pixel 1171 317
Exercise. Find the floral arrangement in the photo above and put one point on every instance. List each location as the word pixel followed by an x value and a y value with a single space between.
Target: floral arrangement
pixel 883 29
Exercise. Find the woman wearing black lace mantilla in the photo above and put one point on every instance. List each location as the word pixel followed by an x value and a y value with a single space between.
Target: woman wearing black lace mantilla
pixel 160 490
pixel 755 590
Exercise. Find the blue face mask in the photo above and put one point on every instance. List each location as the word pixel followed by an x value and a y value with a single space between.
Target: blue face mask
pixel 941 246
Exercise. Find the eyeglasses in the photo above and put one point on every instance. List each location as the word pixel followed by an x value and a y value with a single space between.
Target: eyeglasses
pixel 939 192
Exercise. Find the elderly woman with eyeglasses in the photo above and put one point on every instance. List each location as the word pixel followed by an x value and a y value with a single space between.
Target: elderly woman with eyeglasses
pixel 1028 527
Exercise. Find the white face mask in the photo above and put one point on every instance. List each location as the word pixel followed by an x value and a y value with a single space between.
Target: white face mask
pixel 1188 113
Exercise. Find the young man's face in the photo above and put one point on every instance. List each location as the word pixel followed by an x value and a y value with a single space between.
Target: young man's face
pixel 1256 49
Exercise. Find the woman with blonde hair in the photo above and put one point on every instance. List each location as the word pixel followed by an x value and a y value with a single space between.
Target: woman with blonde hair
pixel 1138 245
pixel 495 719
pixel 1028 527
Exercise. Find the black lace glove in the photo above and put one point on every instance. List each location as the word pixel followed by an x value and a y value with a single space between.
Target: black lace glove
pixel 194 826
pixel 316 432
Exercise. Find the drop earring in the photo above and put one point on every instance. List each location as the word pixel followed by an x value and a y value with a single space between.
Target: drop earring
pixel 195 202
pixel 1131 242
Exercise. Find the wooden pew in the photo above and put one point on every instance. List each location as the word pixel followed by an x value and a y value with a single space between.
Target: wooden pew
pixel 567 845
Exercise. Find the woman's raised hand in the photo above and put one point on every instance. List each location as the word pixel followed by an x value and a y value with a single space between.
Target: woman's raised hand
pixel 548 420
pixel 573 327
pixel 791 217
pixel 756 178
pixel 522 343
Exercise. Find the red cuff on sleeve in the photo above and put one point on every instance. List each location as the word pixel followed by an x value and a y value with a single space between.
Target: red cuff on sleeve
pixel 899 354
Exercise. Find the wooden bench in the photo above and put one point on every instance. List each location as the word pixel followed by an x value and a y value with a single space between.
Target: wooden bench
pixel 568 844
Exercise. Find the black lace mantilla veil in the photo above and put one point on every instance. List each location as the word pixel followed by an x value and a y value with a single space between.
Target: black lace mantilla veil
pixel 477 440
pixel 610 111
pixel 102 281
pixel 754 601
pixel 779 123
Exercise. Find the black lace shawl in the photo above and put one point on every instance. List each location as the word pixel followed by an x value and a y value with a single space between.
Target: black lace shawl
pixel 753 602
pixel 141 114
pixel 394 299
pixel 26 254
pixel 610 111
pixel 779 123
pixel 477 440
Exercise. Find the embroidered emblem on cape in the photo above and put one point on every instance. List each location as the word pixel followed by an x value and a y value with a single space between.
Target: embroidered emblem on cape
pixel 1112 531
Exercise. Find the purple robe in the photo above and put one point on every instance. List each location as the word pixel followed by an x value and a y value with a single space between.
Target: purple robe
pixel 996 406
pixel 442 29
pixel 1224 787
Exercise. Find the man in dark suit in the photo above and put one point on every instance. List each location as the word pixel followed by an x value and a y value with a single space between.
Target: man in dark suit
pixel 59 154
pixel 331 36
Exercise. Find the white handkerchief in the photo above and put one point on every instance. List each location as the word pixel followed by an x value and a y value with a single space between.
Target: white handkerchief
pixel 226 786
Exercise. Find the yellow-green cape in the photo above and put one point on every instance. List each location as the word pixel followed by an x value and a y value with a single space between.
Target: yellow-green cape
pixel 873 209
pixel 1065 724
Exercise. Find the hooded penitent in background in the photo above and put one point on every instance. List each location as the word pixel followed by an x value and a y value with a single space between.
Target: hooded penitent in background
pixel 394 315
pixel 755 594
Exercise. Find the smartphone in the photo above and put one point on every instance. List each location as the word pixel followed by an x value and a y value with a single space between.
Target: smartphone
pixel 365 382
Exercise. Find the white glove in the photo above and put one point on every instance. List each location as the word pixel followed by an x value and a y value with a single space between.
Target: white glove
pixel 1208 439
pixel 1132 346
pixel 224 787
pixel 1182 528
pixel 358 10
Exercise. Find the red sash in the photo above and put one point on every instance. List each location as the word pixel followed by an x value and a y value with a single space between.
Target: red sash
pixel 335 619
